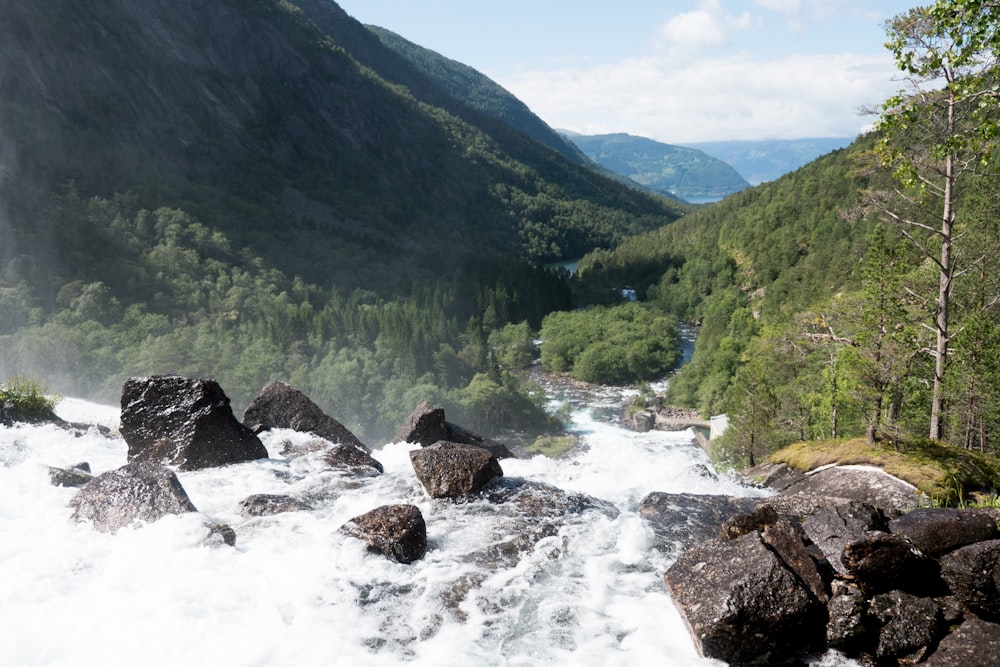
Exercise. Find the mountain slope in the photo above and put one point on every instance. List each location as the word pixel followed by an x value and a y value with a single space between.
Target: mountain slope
pixel 760 161
pixel 252 117
pixel 670 170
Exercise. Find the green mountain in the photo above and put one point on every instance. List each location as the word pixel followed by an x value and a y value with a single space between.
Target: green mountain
pixel 674 171
pixel 761 161
pixel 478 91
pixel 260 190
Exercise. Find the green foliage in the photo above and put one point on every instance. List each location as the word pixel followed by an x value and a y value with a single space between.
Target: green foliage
pixel 609 345
pixel 29 397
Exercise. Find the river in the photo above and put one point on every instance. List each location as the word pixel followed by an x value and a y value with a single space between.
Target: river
pixel 294 591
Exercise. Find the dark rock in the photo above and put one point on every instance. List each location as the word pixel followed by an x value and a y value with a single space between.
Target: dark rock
pixel 909 625
pixel 139 491
pixel 643 421
pixel 74 476
pixel 398 532
pixel 743 605
pixel 279 405
pixel 353 460
pixel 757 519
pixel 427 425
pixel 936 531
pixel 869 485
pixel 448 469
pixel 973 575
pixel 263 504
pixel 831 528
pixel 220 533
pixel 882 562
pixel 680 520
pixel 185 422
pixel 846 629
pixel 975 643
pixel 790 543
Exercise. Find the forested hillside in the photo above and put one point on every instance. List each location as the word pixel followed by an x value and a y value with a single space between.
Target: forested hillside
pixel 262 190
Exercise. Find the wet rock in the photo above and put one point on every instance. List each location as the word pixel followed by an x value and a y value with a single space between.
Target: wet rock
pixel 427 425
pixel 790 543
pixel 352 460
pixel 866 484
pixel 680 520
pixel 743 605
pixel 643 421
pixel 74 476
pixel 449 469
pixel 137 492
pixel 263 504
pixel 831 528
pixel 279 405
pixel 936 531
pixel 398 532
pixel 185 422
pixel 973 575
pixel 882 562
pixel 847 630
pixel 909 625
pixel 975 643
pixel 220 533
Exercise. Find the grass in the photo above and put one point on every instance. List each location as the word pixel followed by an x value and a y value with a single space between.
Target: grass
pixel 29 398
pixel 948 475
pixel 553 446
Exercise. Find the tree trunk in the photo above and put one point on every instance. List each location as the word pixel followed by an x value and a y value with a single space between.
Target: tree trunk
pixel 944 297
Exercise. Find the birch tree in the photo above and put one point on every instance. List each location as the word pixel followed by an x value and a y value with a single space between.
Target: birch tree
pixel 938 130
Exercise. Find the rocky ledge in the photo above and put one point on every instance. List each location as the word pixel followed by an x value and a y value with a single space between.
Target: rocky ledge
pixel 843 559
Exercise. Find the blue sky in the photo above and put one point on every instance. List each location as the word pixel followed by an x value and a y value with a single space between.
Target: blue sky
pixel 677 71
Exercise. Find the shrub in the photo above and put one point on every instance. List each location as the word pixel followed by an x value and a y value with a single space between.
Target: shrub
pixel 28 397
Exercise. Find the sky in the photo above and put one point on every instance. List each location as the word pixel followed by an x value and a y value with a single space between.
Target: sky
pixel 678 71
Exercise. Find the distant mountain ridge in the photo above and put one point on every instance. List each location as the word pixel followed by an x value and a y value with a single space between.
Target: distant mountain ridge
pixel 767 160
pixel 677 171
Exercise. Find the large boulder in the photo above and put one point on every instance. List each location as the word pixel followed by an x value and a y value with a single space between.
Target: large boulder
pixel 832 528
pixel 936 531
pixel 973 575
pixel 881 562
pixel 743 605
pixel 279 405
pixel 680 520
pixel 450 469
pixel 976 643
pixel 141 491
pixel 398 532
pixel 186 422
pixel 867 484
pixel 908 625
pixel 427 425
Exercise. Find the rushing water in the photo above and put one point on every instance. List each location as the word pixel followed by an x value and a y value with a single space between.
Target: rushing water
pixel 294 591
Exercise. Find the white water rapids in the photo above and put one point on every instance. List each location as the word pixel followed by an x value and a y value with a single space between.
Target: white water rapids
pixel 296 592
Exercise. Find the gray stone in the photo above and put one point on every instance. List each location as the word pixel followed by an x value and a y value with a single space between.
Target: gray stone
pixel 353 460
pixel 743 605
pixel 279 405
pixel 973 575
pixel 449 469
pixel 185 422
pixel 975 643
pixel 74 476
pixel 869 485
pixel 264 504
pixel 137 492
pixel 909 625
pixel 936 531
pixel 846 629
pixel 398 532
pixel 882 562
pixel 831 528
pixel 680 520
pixel 427 425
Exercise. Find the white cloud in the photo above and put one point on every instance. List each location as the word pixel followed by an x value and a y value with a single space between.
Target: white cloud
pixel 708 26
pixel 781 6
pixel 730 97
